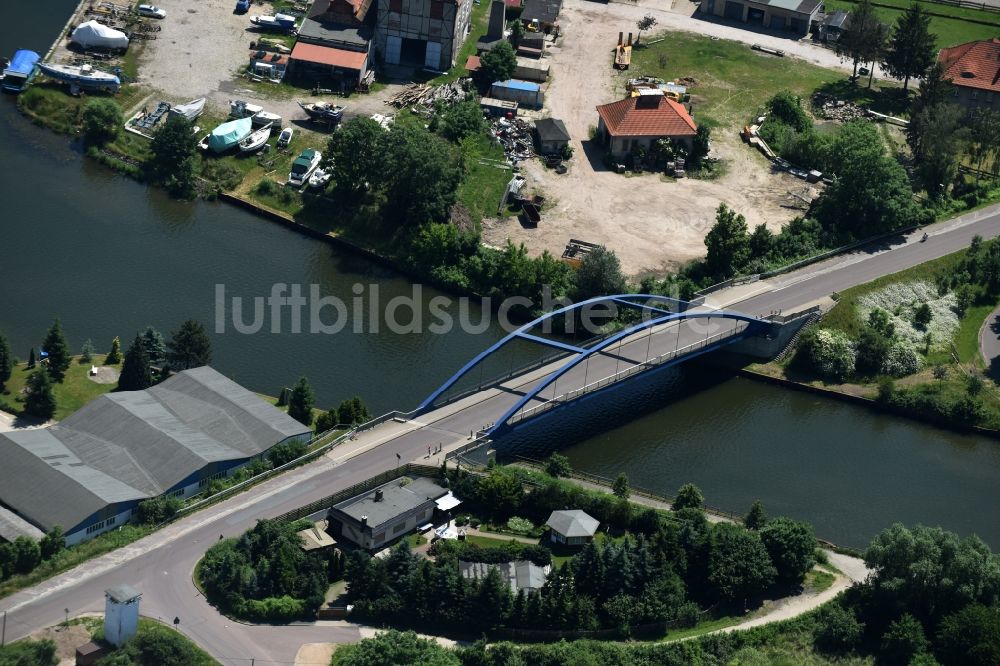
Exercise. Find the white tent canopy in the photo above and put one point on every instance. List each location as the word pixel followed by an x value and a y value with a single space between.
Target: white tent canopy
pixel 92 33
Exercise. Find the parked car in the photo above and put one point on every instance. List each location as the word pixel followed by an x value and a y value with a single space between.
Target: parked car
pixel 152 11
pixel 242 6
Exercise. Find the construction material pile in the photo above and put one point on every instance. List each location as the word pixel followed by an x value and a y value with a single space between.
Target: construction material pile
pixel 831 108
pixel 421 94
pixel 515 136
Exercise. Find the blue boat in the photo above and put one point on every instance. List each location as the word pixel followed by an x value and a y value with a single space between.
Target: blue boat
pixel 18 73
pixel 84 77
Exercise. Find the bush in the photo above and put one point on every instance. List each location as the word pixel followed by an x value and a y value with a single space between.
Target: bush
pixel 461 521
pixel 901 360
pixel 157 510
pixel 102 120
pixel 903 641
pixel 829 353
pixel 520 525
pixel 838 630
pixel 286 452
pixel 267 187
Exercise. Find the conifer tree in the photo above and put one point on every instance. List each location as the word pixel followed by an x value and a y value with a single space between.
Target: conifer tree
pixel 114 356
pixel 189 347
pixel 301 402
pixel 31 358
pixel 136 374
pixel 6 361
pixel 58 351
pixel 87 352
pixel 156 348
pixel 40 399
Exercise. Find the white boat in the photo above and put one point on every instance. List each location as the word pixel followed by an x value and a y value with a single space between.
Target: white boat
pixel 266 118
pixel 285 137
pixel 256 140
pixel 319 178
pixel 84 76
pixel 240 109
pixel 276 22
pixel 303 166
pixel 190 110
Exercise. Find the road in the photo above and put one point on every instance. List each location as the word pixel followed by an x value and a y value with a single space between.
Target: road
pixel 161 564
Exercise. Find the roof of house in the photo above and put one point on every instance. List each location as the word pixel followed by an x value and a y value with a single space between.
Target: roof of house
pixel 521 574
pixel 647 115
pixel 573 523
pixel 328 55
pixel 973 64
pixel 397 498
pixel 321 29
pixel 122 593
pixel 551 129
pixel 546 11
pixel 340 10
pixel 13 526
pixel 840 20
pixel 473 63
pixel 132 445
pixel 517 84
pixel 798 6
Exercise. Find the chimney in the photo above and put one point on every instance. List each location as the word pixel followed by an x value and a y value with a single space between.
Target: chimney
pixel 378 495
pixel 364 521
pixel 621 38
pixel 630 39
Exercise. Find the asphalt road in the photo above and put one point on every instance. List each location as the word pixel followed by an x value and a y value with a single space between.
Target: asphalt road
pixel 160 566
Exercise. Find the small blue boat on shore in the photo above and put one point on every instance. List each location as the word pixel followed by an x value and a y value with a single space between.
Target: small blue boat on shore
pixel 19 71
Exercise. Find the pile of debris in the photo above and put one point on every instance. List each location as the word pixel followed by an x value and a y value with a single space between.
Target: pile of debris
pixel 421 94
pixel 831 108
pixel 515 136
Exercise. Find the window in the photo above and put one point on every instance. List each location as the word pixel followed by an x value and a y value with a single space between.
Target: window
pixel 101 525
pixel 379 538
pixel 437 9
pixel 398 528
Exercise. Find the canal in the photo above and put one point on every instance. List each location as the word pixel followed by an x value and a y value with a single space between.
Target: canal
pixel 109 256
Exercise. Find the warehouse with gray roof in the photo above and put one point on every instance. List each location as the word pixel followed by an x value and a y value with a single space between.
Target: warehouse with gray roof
pixel 89 472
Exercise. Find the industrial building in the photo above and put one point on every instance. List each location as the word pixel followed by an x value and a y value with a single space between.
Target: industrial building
pixel 376 518
pixel 795 16
pixel 421 34
pixel 334 42
pixel 89 472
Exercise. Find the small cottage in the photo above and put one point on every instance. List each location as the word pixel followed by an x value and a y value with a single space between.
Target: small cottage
pixel 572 527
pixel 551 135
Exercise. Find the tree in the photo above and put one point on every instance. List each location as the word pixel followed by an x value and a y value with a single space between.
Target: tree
pixel 829 353
pixel 688 497
pixel 600 274
pixel 838 629
pixel 39 398
pixel 516 31
pixel 620 486
pixel 31 358
pixel 6 362
pixel 911 48
pixel 352 412
pixel 738 564
pixel 156 348
pixel 53 542
pixel 58 351
pixel 114 356
pixel 756 518
pixel 791 545
pixel 903 641
pixel 87 352
pixel 558 465
pixel 423 183
pixel 922 315
pixel 354 154
pixel 935 90
pixel 872 351
pixel 499 63
pixel 970 636
pixel 645 23
pixel 943 140
pixel 27 554
pixel 787 108
pixel 462 120
pixel 728 244
pixel 172 161
pixel 700 146
pixel 102 120
pixel 395 647
pixel 301 402
pixel 136 374
pixel 189 346
pixel 864 38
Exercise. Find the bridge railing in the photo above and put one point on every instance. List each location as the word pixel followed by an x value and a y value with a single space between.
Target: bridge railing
pixel 622 374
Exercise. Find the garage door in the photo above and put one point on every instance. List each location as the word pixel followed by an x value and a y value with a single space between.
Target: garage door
pixel 392 48
pixel 432 59
pixel 778 22
pixel 734 10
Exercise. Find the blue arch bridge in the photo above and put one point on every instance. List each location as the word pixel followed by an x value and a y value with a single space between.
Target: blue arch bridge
pixel 658 333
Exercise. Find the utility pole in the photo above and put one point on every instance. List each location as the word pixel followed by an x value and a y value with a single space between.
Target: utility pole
pixel 3 632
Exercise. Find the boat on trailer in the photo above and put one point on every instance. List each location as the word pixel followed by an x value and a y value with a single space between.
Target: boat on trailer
pixel 323 111
pixel 82 76
pixel 189 110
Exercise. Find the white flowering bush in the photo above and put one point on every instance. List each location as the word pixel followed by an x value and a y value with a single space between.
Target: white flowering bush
pixel 901 300
pixel 902 360
pixel 831 354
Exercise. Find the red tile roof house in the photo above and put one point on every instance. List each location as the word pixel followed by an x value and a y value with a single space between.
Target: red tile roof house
pixel 638 122
pixel 974 70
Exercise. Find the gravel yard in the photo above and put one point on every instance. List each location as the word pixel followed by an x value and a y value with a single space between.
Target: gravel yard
pixel 652 225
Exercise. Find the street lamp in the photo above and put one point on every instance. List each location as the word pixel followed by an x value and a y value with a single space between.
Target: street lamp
pixel 66 623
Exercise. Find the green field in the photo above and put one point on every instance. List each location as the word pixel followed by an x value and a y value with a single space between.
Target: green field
pixel 76 390
pixel 732 80
pixel 949 31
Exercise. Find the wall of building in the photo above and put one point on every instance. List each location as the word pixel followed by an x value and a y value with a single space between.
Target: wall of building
pixel 431 21
pixel 621 146
pixel 104 522
pixel 387 532
pixel 774 18
pixel 971 99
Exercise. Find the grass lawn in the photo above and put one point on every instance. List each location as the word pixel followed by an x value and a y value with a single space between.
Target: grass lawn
pixel 733 81
pixel 75 391
pixel 703 627
pixel 818 581
pixel 484 182
pixel 949 31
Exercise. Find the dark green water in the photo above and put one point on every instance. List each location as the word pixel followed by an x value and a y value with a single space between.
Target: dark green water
pixel 109 256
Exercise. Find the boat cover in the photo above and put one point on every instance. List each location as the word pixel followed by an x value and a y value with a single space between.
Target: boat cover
pixel 92 34
pixel 22 62
pixel 227 135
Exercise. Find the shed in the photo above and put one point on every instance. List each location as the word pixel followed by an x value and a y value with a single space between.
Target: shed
pixel 532 69
pixel 525 93
pixel 552 135
pixel 315 60
pixel 546 12
pixel 572 527
pixel 520 574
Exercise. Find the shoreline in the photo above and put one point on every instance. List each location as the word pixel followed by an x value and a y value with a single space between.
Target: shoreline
pixel 867 403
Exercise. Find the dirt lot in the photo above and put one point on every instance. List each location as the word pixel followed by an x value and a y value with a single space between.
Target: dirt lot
pixel 201 48
pixel 653 225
